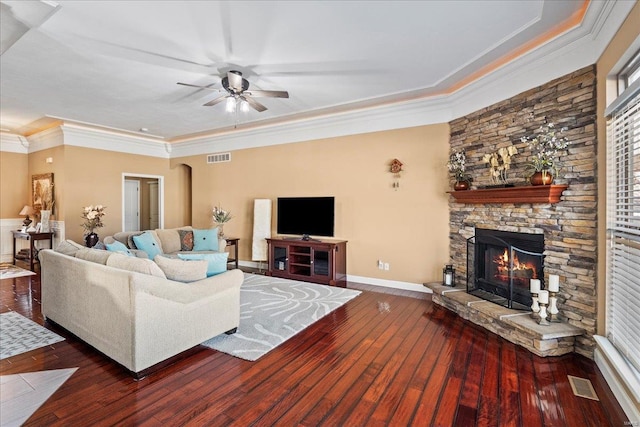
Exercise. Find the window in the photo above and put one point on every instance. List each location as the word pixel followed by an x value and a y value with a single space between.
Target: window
pixel 623 226
pixel 629 74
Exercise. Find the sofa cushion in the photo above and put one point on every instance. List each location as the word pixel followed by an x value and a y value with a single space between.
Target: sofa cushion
pixel 182 270
pixel 119 247
pixel 69 247
pixel 169 240
pixel 148 243
pixel 135 264
pixel 205 240
pixel 94 255
pixel 186 240
pixel 216 262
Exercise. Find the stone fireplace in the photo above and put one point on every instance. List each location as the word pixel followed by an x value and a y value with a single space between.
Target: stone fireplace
pixel 500 265
pixel 568 227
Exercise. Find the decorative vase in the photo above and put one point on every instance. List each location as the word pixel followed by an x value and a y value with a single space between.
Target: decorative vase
pixel 543 177
pixel 45 216
pixel 91 239
pixel 221 230
pixel 461 185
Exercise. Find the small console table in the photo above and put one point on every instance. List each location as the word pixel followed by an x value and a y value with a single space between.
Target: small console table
pixel 233 241
pixel 32 238
pixel 315 261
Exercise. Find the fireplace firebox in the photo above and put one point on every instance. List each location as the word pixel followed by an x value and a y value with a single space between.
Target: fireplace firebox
pixel 500 265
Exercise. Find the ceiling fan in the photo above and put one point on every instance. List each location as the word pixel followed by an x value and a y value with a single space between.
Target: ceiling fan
pixel 239 93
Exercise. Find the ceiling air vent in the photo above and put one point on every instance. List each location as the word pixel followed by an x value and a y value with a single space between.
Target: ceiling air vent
pixel 218 157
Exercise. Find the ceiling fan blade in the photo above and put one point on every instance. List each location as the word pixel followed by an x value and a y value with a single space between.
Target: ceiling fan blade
pixel 201 87
pixel 215 101
pixel 269 93
pixel 235 80
pixel 255 104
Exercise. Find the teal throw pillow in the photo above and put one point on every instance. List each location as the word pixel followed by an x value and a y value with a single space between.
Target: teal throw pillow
pixel 217 262
pixel 148 243
pixel 119 247
pixel 205 240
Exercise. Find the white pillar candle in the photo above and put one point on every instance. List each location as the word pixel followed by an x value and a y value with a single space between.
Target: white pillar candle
pixel 554 283
pixel 534 286
pixel 543 297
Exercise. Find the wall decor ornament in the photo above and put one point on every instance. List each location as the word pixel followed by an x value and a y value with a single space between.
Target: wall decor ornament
pixel 395 168
pixel 42 192
pixel 499 163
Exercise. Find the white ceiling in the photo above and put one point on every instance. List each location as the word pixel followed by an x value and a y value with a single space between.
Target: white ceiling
pixel 116 63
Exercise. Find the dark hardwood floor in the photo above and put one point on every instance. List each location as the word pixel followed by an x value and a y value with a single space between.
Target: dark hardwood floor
pixel 381 359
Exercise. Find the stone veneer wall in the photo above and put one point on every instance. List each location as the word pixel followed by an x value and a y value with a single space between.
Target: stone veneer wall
pixel 569 227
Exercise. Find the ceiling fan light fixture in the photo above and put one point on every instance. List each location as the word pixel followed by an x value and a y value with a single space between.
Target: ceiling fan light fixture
pixel 231 104
pixel 244 106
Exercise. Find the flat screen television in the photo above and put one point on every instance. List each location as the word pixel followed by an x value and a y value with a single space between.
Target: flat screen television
pixel 306 216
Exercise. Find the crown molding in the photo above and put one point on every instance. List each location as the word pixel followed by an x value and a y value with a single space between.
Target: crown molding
pixel 574 49
pixel 396 116
pixel 79 136
pixel 12 143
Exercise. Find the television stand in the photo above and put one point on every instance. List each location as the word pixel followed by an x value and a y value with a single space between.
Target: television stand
pixel 312 260
pixel 304 238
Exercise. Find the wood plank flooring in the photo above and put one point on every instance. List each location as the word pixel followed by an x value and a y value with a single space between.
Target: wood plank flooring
pixel 381 359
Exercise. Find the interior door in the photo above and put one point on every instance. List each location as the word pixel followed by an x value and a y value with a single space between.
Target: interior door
pixel 154 215
pixel 131 205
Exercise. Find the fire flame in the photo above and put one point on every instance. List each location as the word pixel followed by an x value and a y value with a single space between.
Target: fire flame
pixel 502 262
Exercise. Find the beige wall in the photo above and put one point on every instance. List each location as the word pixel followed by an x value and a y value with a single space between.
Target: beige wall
pixel 406 227
pixel 625 36
pixel 14 184
pixel 95 177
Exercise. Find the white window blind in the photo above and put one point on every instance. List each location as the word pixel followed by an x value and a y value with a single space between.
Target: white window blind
pixel 623 230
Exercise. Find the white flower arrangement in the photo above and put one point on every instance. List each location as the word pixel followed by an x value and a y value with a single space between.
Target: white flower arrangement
pixel 220 216
pixel 457 165
pixel 499 163
pixel 93 218
pixel 545 146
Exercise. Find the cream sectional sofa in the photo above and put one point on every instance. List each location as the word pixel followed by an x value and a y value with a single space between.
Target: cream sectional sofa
pixel 135 316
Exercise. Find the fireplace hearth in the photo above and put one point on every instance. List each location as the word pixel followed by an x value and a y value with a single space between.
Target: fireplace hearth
pixel 500 265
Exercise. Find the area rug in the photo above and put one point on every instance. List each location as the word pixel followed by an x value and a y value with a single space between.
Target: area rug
pixel 273 310
pixel 9 271
pixel 19 335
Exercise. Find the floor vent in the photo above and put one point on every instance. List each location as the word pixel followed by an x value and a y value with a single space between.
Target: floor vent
pixel 219 158
pixel 582 387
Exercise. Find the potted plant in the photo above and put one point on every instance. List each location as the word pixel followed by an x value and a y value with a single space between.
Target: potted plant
pixel 544 165
pixel 457 165
pixel 92 219
pixel 220 217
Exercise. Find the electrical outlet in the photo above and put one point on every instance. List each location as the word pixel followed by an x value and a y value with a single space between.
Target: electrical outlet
pixel 386 266
pixel 380 265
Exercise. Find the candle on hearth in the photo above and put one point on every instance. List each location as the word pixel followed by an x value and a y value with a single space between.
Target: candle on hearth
pixel 554 283
pixel 534 286
pixel 543 297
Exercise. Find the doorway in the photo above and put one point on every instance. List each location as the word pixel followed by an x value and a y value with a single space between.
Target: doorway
pixel 142 202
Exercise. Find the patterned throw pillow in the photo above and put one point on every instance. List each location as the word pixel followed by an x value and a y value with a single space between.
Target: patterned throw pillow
pixel 186 240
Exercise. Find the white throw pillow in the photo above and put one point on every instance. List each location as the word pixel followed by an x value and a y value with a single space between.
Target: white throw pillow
pixel 181 270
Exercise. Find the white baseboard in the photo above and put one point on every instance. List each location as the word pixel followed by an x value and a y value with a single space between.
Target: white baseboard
pixel 395 284
pixel 621 380
pixel 407 286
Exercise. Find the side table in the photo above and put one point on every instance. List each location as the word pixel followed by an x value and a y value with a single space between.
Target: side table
pixel 233 241
pixel 32 238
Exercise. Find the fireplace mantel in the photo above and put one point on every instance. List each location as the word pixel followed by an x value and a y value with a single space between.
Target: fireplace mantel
pixel 524 194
